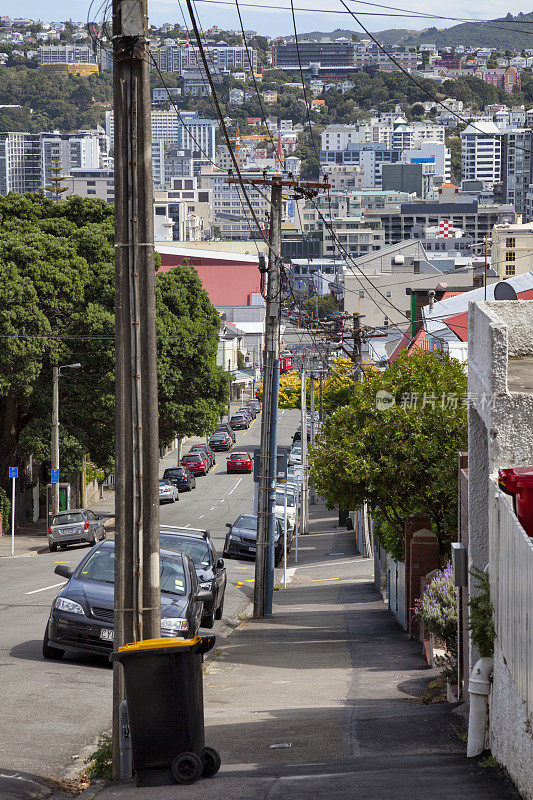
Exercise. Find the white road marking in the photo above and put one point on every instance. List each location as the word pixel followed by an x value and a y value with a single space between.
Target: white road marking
pixel 212 508
pixel 188 525
pixel 240 479
pixel 54 586
pixel 201 516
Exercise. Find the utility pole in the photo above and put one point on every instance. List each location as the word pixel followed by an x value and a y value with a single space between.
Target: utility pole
pixel 305 483
pixel 55 438
pixel 320 390
pixel 268 456
pixel 137 577
pixel 357 350
pixel 312 412
pixel 264 558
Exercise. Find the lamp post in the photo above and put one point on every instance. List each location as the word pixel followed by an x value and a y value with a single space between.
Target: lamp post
pixel 56 374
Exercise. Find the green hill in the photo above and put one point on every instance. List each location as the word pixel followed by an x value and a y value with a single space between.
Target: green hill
pixel 479 34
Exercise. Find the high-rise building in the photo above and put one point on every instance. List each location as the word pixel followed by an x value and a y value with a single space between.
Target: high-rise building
pixel 186 131
pixel 327 54
pixel 66 54
pixel 517 167
pixel 481 153
pixel 20 162
pixel 221 57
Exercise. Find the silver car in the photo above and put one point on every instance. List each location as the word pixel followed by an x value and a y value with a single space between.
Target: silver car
pixel 168 493
pixel 74 526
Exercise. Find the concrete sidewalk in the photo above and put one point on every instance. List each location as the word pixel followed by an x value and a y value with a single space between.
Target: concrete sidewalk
pixel 324 699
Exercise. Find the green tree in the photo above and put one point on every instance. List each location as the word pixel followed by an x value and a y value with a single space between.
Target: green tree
pixel 57 277
pixel 401 459
pixel 321 306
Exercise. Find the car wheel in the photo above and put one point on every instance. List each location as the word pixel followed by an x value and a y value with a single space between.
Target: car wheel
pixel 208 621
pixel 63 546
pixel 220 609
pixel 49 651
pixel 187 768
pixel 52 547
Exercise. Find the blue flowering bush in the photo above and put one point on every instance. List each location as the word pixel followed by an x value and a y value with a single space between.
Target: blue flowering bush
pixel 437 611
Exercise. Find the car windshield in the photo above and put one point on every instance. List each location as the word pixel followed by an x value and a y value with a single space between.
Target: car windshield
pixel 191 458
pixel 235 456
pixel 100 567
pixel 172 473
pixel 195 548
pixel 280 499
pixel 163 483
pixel 216 436
pixel 247 521
pixel 67 519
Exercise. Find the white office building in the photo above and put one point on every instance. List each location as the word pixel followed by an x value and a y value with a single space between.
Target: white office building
pixel 186 131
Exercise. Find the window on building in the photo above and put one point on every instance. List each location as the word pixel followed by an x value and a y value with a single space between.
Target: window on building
pixel 388 294
pixel 510 255
pixel 361 295
pixel 510 242
pixel 386 322
pixel 510 269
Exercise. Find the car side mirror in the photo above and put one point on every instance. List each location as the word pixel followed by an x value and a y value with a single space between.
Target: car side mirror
pixel 64 571
pixel 203 596
pixel 220 563
pixel 228 525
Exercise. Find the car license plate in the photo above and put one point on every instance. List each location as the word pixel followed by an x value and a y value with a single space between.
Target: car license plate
pixel 67 531
pixel 108 634
pixel 252 549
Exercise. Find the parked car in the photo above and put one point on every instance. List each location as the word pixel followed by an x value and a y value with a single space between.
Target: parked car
pixel 239 422
pixel 168 493
pixel 279 508
pixel 241 539
pixel 224 426
pixel 204 448
pixel 295 456
pixel 220 441
pixel 81 618
pixel 210 569
pixel 75 526
pixel 255 403
pixel 180 477
pixel 239 462
pixel 248 410
pixel 196 463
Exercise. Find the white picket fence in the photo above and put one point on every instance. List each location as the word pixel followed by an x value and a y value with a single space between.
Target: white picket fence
pixel 511 579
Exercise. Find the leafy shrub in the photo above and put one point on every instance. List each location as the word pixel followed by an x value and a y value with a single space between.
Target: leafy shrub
pixel 437 610
pixel 480 620
pixel 100 761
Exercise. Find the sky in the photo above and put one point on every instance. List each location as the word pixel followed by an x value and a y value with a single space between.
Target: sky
pixel 275 19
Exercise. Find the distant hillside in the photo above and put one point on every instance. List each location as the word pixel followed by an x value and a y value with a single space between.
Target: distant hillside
pixel 338 33
pixel 479 34
pixel 395 36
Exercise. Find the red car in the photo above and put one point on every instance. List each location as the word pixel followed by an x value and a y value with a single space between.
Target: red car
pixel 239 462
pixel 195 463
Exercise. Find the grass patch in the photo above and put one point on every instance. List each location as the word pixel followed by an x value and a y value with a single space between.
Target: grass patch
pixel 488 763
pixel 436 692
pixel 100 761
pixel 244 615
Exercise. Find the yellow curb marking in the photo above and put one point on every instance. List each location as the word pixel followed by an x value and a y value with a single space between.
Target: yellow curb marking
pixel 250 580
pixel 321 580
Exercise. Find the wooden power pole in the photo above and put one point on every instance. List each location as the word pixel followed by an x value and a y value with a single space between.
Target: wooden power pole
pixel 137 581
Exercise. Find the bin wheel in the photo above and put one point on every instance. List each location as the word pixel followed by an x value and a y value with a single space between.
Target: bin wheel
pixel 211 762
pixel 187 768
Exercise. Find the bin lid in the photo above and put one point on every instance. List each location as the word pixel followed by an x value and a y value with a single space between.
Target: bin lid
pixel 155 644
pixel 512 477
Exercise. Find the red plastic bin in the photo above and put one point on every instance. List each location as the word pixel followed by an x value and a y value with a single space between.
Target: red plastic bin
pixel 518 481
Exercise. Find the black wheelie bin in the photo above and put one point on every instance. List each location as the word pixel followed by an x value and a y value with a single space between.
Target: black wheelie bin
pixel 164 694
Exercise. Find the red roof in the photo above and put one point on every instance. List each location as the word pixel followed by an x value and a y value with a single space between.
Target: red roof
pixel 406 343
pixel 458 323
pixel 229 279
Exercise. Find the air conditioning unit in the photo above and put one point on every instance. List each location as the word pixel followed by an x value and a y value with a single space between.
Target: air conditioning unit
pixel 398 260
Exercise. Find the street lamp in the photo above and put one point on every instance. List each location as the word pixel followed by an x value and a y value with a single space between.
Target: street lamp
pixel 56 373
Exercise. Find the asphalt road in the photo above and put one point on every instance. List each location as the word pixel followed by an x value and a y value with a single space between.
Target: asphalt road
pixel 51 712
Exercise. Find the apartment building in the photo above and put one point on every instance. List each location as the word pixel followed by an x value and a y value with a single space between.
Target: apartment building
pixel 66 54
pixel 98 184
pixel 186 131
pixel 27 159
pixel 230 212
pixel 327 54
pixel 481 153
pixel 20 162
pixel 517 168
pixel 221 57
pixel 512 249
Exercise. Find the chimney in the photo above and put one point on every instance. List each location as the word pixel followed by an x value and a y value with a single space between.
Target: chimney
pixel 477 281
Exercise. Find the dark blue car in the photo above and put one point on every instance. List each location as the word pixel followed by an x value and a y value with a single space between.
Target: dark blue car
pixel 81 618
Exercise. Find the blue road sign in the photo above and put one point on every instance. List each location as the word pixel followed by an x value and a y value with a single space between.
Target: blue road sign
pixel 55 476
pixel 13 472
